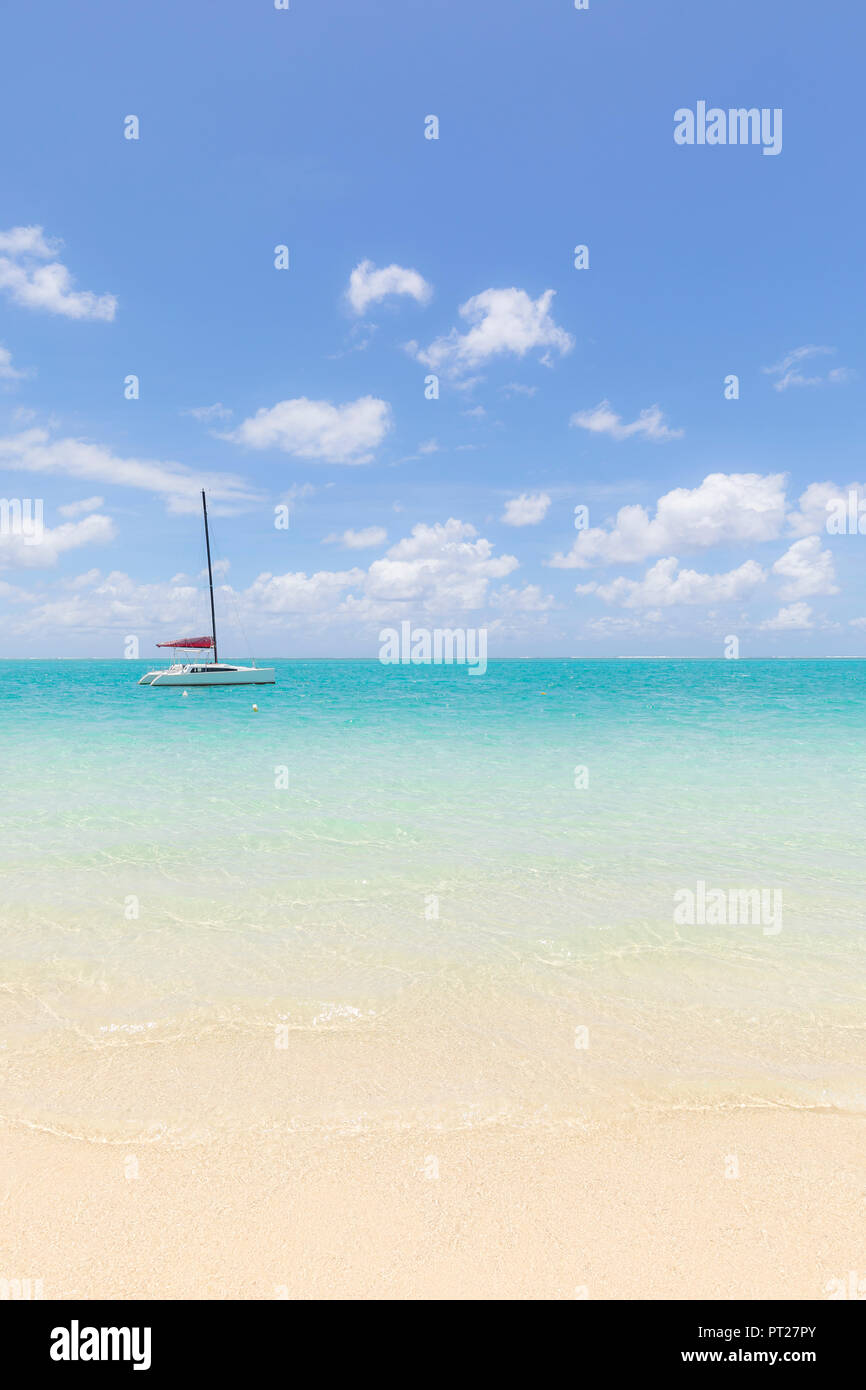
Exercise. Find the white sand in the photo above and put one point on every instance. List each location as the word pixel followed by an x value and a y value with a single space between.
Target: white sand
pixel 642 1209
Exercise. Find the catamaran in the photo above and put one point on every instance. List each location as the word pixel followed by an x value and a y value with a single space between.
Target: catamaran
pixel 202 672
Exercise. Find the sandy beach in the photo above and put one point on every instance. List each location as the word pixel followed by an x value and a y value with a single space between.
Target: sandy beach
pixel 432 1025
pixel 641 1209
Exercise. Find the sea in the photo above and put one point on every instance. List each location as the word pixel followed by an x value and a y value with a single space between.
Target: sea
pixel 373 896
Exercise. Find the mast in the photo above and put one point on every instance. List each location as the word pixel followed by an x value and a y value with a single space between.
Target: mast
pixel 210 578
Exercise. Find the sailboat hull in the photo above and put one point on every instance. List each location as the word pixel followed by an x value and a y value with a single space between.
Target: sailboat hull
pixel 231 675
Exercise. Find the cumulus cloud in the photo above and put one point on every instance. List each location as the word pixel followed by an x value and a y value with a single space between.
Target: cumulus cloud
pixel 27 241
pixel 725 507
pixel 358 540
pixel 7 371
pixel 501 321
pixel 41 549
pixel 788 372
pixel 87 504
pixel 664 585
pixel 301 593
pixel 602 420
pixel 529 599
pixel 115 603
pixel 438 568
pixel 367 285
pixel 34 451
pixel 436 573
pixel 527 509
pixel 319 430
pixel 807 569
pixel 797 617
pixel 34 278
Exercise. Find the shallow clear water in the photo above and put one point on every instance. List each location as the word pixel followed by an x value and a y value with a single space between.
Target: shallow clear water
pixel 433 887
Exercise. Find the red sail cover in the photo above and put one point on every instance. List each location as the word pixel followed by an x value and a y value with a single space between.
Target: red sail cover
pixel 188 642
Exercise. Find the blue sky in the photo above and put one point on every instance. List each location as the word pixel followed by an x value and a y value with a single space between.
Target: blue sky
pixel 306 128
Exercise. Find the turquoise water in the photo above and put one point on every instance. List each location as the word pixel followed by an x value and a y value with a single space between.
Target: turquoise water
pixel 431 897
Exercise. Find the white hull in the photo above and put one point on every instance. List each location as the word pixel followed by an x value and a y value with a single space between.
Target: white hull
pixel 209 675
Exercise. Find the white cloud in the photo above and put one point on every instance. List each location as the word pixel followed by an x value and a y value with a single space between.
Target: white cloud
pixel 358 540
pixel 7 371
pixel 430 446
pixel 740 507
pixel 529 599
pixel 87 504
pixel 27 241
pixel 84 581
pixel 206 413
pixel 502 321
pixel 527 509
pixel 35 280
pixel 297 492
pixel 299 593
pixel 319 430
pixel 788 373
pixel 602 420
pixel 440 568
pixel 367 285
pixel 34 451
pixel 437 573
pixel 807 569
pixel 796 617
pixel 115 603
pixel 40 551
pixel 617 627
pixel 664 585
pixel 516 388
